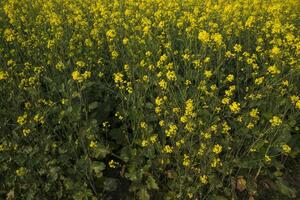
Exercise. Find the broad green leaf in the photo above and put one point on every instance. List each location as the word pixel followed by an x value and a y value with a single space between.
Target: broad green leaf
pixel 143 194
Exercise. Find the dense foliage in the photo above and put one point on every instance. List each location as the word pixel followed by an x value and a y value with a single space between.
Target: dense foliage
pixel 148 99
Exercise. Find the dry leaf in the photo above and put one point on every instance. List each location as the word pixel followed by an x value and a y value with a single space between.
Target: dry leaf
pixel 241 184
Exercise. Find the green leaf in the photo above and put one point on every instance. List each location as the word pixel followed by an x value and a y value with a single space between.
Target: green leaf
pixel 284 136
pixel 285 189
pixel 217 197
pixel 98 167
pixel 151 183
pixel 93 105
pixel 110 184
pixel 101 151
pixel 143 194
pixel 118 135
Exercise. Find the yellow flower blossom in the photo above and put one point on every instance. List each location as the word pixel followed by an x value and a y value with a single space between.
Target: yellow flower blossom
pixel 273 70
pixel 216 162
pixel 93 144
pixel 204 36
pixel 286 149
pixel 267 158
pixel 21 171
pixel 254 113
pixel 208 73
pixel 230 78
pixel 217 149
pixel 186 160
pixel 163 84
pixel 22 119
pixel 171 75
pixel 259 81
pixel 225 101
pixel 143 125
pixel 275 121
pixel 203 179
pixel 275 51
pixel 168 149
pixel 237 48
pixel 235 107
pixel 171 131
pixel 113 164
pixel 144 143
pixel 3 75
pixel 153 139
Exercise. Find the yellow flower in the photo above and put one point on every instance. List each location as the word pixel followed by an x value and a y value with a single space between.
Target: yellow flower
pixel 217 149
pixel 180 142
pixel 161 122
pixel 203 179
pixel 176 110
pixel 22 119
pixel 214 128
pixel 186 160
pixel 225 101
pixel 225 127
pixel 208 73
pixel 215 162
pixel 93 144
pixel 171 75
pixel 206 135
pixel 250 125
pixel 273 70
pixel 259 81
pixel 298 105
pixel 183 119
pixel 2 147
pixel 77 76
pixel 163 84
pixel 267 158
pixel 159 101
pixel 285 83
pixel 157 110
pixel 26 132
pixel 275 121
pixel 217 38
pixel 204 36
pixel 286 149
pixel 235 107
pixel 21 171
pixel 171 131
pixel 294 99
pixel 113 164
pixel 275 51
pixel 118 79
pixel 125 41
pixel 143 125
pixel 86 75
pixel 144 143
pixel 3 75
pixel 230 78
pixel 39 119
pixel 114 54
pixel 237 48
pixel 168 149
pixel 80 63
pixel 189 108
pixel 106 124
pixel 153 139
pixel 254 113
pixel 88 42
pixel 111 33
pixel 188 82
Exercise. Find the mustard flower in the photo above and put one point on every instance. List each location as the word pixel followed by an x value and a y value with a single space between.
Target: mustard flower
pixel 275 121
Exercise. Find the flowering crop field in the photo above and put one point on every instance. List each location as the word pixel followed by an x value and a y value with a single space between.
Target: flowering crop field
pixel 149 99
